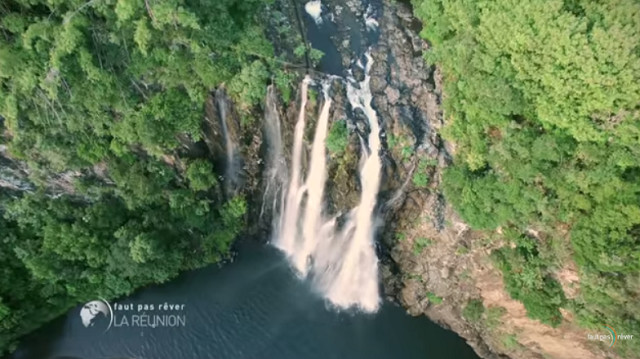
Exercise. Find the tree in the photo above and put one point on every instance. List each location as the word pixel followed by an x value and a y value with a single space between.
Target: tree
pixel 542 103
pixel 114 84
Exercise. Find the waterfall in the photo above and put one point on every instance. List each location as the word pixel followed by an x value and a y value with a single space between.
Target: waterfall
pixel 287 229
pixel 339 258
pixel 358 275
pixel 231 172
pixel 276 168
pixel 314 186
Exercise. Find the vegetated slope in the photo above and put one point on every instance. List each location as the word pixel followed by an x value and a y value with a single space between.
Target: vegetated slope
pixel 543 106
pixel 102 91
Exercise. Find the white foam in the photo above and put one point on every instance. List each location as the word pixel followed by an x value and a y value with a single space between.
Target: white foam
pixel 314 9
pixel 370 22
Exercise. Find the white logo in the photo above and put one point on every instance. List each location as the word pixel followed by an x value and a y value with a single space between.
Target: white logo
pixel 97 313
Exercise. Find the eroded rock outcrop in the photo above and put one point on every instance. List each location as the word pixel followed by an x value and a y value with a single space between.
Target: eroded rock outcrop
pixel 438 265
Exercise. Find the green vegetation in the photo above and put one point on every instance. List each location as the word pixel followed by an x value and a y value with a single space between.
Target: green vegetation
pixel 416 277
pixel 434 299
pixel 528 279
pixel 200 175
pixel 313 96
pixel 420 177
pixel 400 237
pixel 542 103
pixel 117 85
pixel 299 51
pixel 406 152
pixel 420 180
pixel 462 250
pixel 510 341
pixel 473 310
pixel 338 138
pixel 315 56
pixel 284 81
pixel 494 317
pixel 420 244
pixel 402 143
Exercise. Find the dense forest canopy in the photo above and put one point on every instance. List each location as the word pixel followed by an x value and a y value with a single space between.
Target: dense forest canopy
pixel 113 85
pixel 542 102
pixel 543 105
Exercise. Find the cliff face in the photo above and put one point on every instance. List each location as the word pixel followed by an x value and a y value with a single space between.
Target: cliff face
pixel 437 266
pixel 16 177
pixel 13 174
pixel 423 235
pixel 433 263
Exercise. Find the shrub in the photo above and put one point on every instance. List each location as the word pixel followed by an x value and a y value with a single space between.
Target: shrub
pixel 421 176
pixel 528 280
pixel 200 175
pixel 338 137
pixel 473 310
pixel 433 298
pixel 510 341
pixel 420 179
pixel 494 316
pixel 421 243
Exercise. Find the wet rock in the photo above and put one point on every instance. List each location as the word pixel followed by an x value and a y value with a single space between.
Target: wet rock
pixel 361 122
pixel 17 177
pixel 393 94
pixel 13 174
pixel 222 135
pixel 390 282
pixel 212 131
pixel 354 7
pixel 410 296
pixel 357 72
pixel 378 84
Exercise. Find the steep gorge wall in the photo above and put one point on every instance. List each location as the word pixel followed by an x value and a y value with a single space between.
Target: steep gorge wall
pixel 438 265
pixel 433 263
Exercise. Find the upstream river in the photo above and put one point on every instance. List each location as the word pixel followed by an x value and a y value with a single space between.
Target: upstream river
pixel 253 308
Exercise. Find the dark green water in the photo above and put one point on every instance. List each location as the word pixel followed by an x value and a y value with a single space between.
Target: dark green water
pixel 253 308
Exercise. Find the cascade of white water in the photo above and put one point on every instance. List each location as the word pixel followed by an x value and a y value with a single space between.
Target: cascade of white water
pixel 340 259
pixel 314 186
pixel 357 281
pixel 370 21
pixel 287 230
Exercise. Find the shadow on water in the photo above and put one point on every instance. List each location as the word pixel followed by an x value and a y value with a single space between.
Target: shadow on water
pixel 43 349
